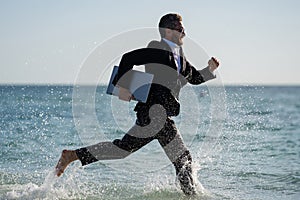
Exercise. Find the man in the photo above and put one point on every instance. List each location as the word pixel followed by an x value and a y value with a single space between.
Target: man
pixel 165 60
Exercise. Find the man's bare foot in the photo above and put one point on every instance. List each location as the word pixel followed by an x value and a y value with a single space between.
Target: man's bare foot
pixel 67 156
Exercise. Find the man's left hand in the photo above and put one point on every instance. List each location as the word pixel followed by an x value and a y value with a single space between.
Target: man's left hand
pixel 213 64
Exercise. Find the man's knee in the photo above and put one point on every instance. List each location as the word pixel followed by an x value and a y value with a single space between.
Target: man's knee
pixel 130 143
pixel 123 146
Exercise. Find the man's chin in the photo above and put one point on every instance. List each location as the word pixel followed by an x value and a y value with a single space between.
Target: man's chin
pixel 180 42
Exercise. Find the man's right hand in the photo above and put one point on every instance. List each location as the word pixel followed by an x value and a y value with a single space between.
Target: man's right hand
pixel 124 94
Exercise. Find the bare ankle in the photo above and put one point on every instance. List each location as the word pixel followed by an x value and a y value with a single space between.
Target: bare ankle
pixel 70 155
pixel 73 155
pixel 66 158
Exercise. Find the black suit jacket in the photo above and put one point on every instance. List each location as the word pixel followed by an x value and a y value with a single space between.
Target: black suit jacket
pixel 159 61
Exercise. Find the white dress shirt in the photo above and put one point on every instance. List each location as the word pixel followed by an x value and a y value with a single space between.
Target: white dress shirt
pixel 176 53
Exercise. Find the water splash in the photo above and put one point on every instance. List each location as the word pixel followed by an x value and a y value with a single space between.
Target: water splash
pixel 33 191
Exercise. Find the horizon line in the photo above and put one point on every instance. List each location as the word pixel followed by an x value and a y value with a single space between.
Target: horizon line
pixel 102 84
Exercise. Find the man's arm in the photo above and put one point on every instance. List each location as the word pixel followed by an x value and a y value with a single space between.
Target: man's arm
pixel 136 57
pixel 196 77
pixel 125 94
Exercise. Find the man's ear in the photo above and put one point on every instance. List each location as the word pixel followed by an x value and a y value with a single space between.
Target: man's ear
pixel 168 32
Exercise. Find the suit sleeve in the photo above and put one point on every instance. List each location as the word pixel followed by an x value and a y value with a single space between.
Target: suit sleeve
pixel 136 57
pixel 196 77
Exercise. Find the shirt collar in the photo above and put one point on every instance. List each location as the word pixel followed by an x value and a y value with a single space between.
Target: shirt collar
pixel 173 46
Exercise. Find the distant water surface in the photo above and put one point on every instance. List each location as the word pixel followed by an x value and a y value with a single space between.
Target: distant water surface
pixel 255 154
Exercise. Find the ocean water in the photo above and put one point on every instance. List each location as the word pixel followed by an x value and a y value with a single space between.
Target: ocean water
pixel 245 143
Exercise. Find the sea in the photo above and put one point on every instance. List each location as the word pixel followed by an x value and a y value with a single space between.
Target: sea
pixel 244 140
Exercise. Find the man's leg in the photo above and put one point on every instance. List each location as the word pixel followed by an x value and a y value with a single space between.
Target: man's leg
pixel 173 145
pixel 118 149
pixel 140 134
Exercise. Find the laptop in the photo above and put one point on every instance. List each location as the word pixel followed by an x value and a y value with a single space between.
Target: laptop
pixel 139 85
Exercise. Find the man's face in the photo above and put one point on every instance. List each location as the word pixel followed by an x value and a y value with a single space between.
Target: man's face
pixel 177 33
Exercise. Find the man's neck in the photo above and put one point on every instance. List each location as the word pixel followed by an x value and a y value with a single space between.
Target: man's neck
pixel 171 44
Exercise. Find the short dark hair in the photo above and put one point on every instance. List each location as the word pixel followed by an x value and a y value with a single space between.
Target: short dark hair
pixel 168 21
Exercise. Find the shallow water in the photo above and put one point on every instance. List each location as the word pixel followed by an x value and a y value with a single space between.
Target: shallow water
pixel 249 150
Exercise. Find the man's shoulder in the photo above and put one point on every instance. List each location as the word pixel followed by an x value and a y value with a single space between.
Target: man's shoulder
pixel 157 44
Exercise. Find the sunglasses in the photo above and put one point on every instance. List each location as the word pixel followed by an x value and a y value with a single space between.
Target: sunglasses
pixel 180 29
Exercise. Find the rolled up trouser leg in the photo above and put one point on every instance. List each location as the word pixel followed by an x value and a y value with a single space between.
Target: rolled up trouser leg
pixel 173 145
pixel 100 151
pixel 118 149
pixel 183 166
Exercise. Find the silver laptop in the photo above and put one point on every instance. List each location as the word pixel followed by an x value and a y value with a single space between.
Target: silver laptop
pixel 139 85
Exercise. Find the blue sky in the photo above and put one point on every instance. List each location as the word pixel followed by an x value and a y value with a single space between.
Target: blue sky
pixel 42 42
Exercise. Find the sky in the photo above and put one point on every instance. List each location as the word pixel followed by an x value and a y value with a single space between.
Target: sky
pixel 47 42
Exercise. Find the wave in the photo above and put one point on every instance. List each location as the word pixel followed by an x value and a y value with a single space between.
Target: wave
pixel 77 185
pixel 259 113
pixel 274 182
